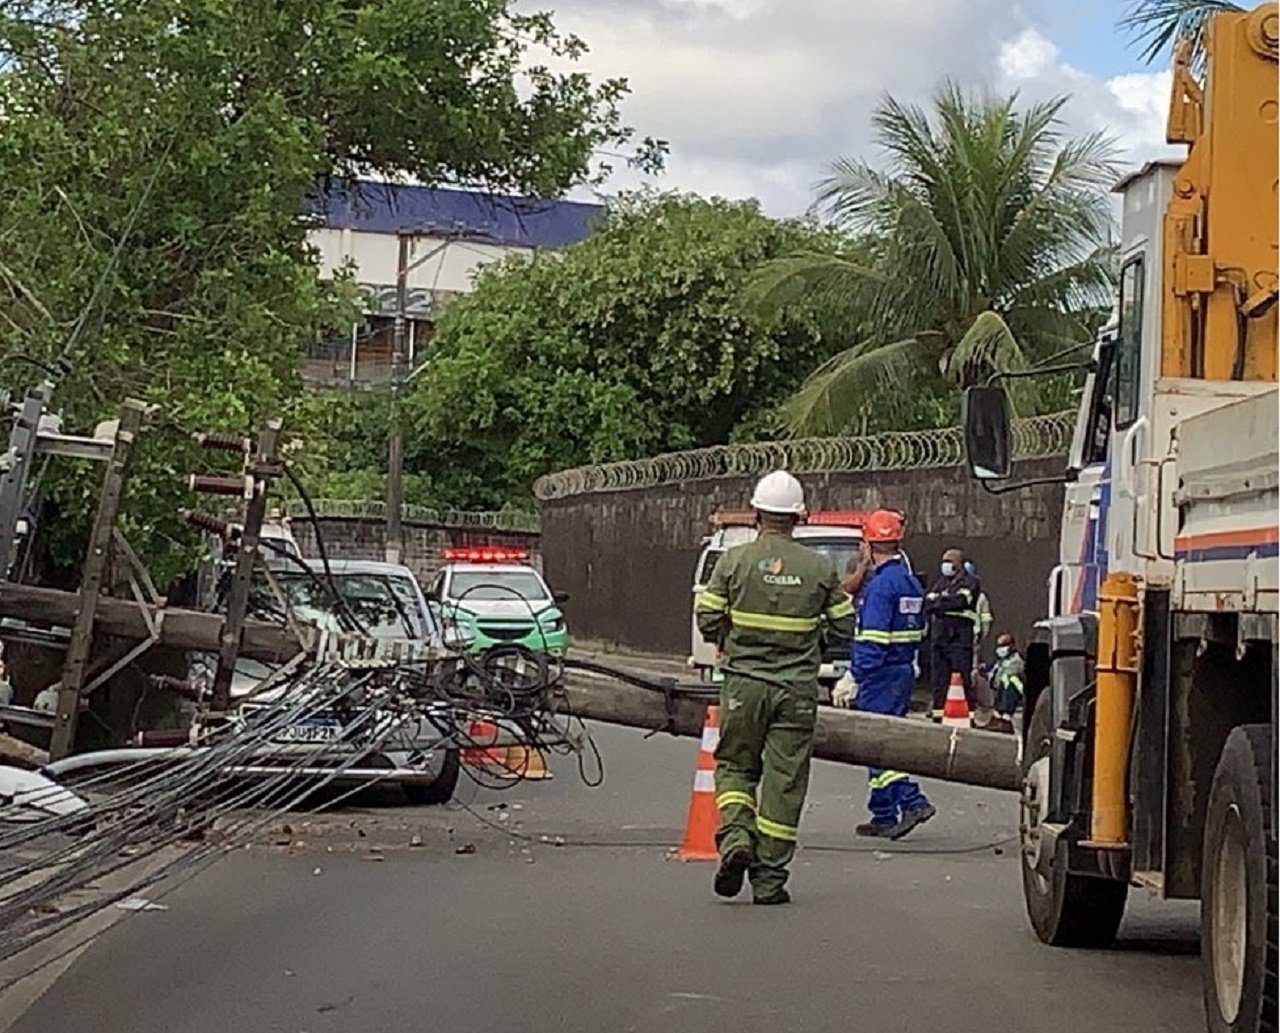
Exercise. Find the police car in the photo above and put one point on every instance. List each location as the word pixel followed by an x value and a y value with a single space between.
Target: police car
pixel 837 534
pixel 488 596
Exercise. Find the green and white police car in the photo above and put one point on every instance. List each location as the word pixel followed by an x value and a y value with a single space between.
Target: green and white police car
pixel 489 596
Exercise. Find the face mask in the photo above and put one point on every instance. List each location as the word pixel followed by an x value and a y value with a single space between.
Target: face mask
pixel 1002 651
pixel 948 568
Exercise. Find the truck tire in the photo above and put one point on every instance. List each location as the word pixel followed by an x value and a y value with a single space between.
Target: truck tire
pixel 1238 888
pixel 1065 910
pixel 441 790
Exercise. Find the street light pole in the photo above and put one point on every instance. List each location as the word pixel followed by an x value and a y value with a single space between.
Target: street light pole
pixel 395 438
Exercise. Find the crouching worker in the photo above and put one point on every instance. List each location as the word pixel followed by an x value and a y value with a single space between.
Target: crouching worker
pixel 1007 682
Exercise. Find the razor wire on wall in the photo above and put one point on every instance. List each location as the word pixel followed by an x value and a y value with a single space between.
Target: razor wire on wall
pixel 1038 437
pixel 364 509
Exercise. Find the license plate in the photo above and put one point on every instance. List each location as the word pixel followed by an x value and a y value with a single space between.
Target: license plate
pixel 309 733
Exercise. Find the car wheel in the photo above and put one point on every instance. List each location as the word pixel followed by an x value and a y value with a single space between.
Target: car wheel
pixel 441 790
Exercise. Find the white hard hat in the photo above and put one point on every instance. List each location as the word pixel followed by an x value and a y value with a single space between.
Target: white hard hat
pixel 778 492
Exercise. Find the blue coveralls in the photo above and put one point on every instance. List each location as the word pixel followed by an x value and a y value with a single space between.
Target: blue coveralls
pixel 890 626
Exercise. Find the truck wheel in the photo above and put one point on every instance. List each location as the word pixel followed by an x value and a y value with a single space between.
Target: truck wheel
pixel 439 791
pixel 1238 888
pixel 1065 910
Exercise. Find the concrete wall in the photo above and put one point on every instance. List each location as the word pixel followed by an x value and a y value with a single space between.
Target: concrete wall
pixel 627 558
pixel 364 539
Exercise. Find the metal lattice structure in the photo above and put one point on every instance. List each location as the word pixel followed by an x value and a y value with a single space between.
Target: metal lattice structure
pixel 1039 437
pixel 376 509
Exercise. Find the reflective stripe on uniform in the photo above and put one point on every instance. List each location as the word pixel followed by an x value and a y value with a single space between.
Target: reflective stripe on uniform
pixel 776 829
pixel 841 609
pixel 737 797
pixel 885 778
pixel 1014 682
pixel 772 622
pixel 967 593
pixel 885 638
pixel 711 602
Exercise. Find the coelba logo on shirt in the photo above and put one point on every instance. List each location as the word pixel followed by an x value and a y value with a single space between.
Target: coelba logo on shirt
pixel 771 571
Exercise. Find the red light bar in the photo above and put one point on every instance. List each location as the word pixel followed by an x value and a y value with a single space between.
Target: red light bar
pixel 485 554
pixel 837 518
pixel 733 518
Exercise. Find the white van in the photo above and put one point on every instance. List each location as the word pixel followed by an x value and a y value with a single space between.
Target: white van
pixel 835 534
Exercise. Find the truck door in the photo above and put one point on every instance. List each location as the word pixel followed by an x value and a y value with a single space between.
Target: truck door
pixel 1131 436
pixel 1082 562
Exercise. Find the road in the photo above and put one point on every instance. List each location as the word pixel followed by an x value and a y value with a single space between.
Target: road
pixel 371 919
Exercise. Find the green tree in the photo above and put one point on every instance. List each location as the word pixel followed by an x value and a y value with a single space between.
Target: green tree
pixel 632 342
pixel 155 156
pixel 985 244
pixel 1159 24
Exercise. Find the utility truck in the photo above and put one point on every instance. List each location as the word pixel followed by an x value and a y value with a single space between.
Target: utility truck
pixel 1149 757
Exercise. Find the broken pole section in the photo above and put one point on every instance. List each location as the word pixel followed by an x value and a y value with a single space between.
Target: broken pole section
pixel 95 567
pixel 971 757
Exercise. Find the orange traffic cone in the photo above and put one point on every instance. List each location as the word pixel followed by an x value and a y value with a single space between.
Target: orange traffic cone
pixel 703 820
pixel 523 762
pixel 478 756
pixel 956 712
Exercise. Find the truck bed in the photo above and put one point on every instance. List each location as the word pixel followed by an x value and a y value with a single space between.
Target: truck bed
pixel 1227 469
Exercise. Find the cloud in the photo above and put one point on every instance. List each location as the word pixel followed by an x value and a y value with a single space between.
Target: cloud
pixel 1130 107
pixel 757 97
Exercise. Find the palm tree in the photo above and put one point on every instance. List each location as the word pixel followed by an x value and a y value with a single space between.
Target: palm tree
pixel 1159 24
pixel 984 242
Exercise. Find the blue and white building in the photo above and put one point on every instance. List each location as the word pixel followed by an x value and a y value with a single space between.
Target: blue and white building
pixel 452 234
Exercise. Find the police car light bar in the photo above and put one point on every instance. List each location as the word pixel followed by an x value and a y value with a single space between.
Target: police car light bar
pixel 485 554
pixel 837 518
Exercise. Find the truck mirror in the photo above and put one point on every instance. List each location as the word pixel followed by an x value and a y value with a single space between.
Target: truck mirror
pixel 987 433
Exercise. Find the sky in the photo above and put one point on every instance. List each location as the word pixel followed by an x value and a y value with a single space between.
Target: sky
pixel 758 97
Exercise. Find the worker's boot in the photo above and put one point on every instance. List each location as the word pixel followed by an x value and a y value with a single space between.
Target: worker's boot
pixel 776 897
pixel 875 829
pixel 911 819
pixel 732 872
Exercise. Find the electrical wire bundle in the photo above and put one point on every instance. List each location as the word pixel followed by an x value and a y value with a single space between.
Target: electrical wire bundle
pixel 153 814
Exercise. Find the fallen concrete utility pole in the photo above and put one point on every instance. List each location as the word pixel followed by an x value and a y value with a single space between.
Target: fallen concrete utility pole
pixel 922 748
pixel 125 618
pixel 15 751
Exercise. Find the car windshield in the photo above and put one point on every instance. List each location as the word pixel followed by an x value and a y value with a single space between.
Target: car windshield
pixel 841 552
pixel 492 585
pixel 386 604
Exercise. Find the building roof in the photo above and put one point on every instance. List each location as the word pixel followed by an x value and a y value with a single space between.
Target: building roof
pixel 509 221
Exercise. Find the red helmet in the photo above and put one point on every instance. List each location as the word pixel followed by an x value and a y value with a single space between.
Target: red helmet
pixel 884 525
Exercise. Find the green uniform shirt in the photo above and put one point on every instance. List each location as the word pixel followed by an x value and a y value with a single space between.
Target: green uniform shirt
pixel 765 605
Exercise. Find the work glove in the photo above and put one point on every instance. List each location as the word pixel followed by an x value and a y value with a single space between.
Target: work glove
pixel 844 691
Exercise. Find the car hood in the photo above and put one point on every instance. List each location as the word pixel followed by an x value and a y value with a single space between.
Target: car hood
pixel 507 609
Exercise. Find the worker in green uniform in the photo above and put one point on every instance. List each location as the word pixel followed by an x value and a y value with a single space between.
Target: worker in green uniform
pixel 765 606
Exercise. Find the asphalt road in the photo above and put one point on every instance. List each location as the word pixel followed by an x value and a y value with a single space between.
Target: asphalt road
pixel 372 919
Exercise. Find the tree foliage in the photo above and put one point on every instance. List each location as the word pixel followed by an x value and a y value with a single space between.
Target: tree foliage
pixel 632 342
pixel 981 210
pixel 1158 25
pixel 155 156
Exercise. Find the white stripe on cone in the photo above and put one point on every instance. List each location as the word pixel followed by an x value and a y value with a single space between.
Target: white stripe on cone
pixel 704 782
pixel 710 739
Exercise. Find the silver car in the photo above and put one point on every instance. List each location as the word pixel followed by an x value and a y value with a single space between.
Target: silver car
pixel 389 604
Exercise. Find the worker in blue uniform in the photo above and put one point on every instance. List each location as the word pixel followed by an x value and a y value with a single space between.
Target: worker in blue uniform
pixel 890 626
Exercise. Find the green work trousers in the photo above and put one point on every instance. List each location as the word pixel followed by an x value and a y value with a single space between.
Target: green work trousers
pixel 762 773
